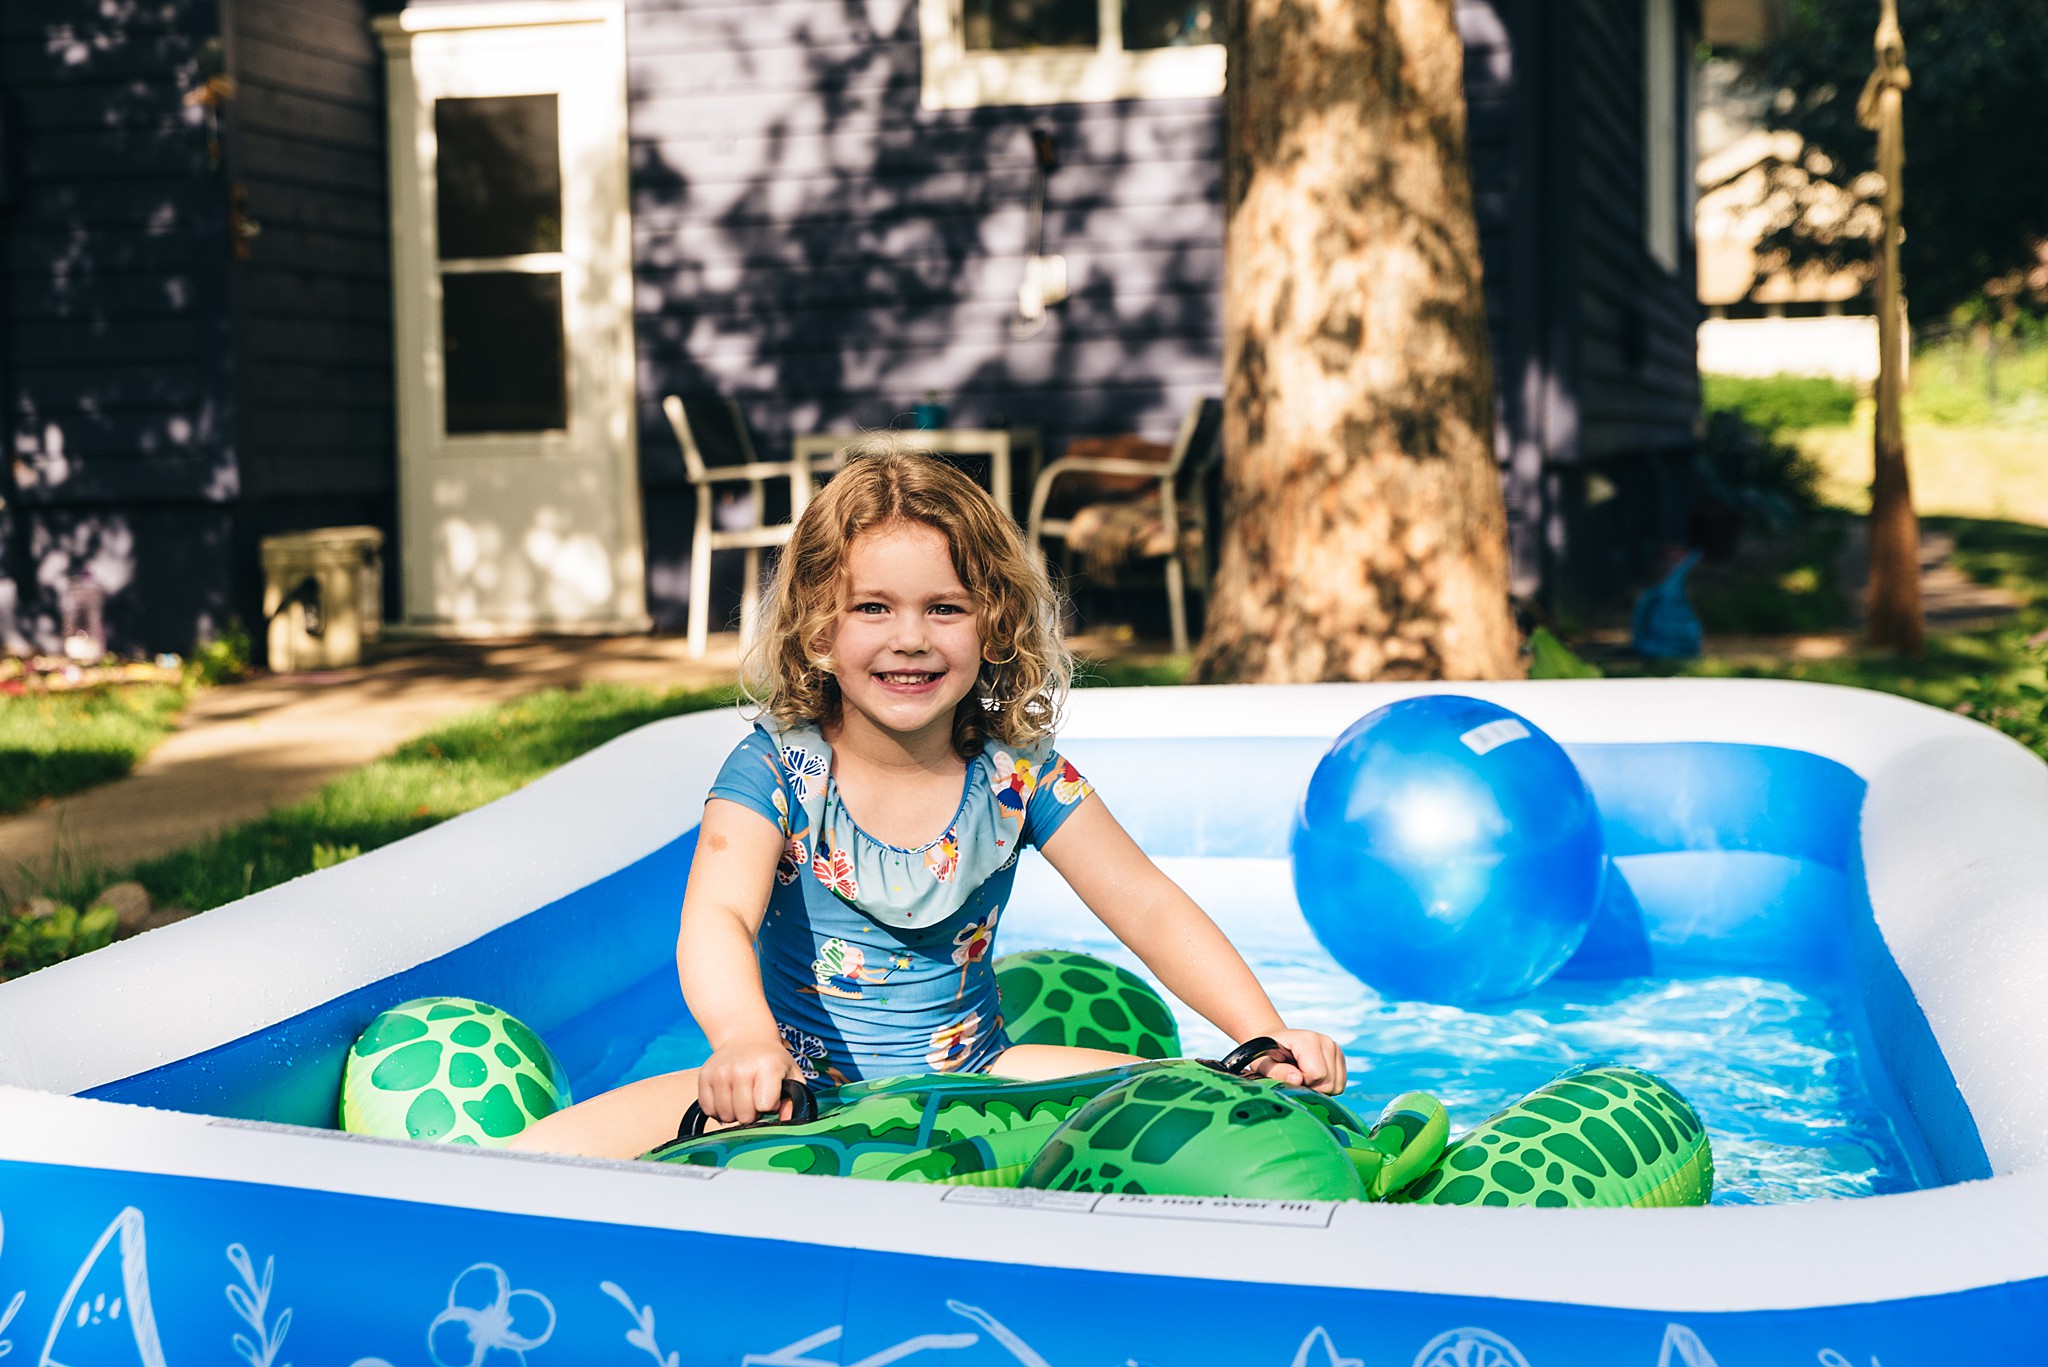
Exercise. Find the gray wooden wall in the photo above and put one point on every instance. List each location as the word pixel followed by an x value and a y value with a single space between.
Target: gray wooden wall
pixel 806 238
pixel 314 423
pixel 113 342
pixel 174 384
pixel 810 241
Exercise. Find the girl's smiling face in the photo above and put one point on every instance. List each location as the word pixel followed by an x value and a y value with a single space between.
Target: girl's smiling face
pixel 908 641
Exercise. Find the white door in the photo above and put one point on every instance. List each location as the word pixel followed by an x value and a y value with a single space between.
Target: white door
pixel 512 270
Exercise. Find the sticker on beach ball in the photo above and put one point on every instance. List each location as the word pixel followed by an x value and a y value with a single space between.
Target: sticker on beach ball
pixel 1059 996
pixel 449 1070
pixel 1448 851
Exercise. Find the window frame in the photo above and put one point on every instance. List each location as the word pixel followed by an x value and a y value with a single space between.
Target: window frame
pixel 957 78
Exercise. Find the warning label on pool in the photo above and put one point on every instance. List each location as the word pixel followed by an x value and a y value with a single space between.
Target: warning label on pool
pixel 1216 1209
pixel 1075 1201
pixel 1222 1209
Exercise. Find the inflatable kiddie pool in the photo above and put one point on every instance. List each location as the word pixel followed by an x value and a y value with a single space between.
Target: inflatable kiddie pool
pixel 172 1192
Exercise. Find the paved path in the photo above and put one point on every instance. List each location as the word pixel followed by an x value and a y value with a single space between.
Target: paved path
pixel 245 749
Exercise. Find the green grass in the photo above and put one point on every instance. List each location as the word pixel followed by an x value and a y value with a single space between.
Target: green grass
pixel 57 743
pixel 1781 585
pixel 1958 383
pixel 1149 673
pixel 1998 675
pixel 1781 403
pixel 447 771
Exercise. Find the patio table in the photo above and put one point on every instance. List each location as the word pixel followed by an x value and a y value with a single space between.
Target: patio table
pixel 824 450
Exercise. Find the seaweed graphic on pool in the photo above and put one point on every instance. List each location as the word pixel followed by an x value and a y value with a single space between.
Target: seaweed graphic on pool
pixel 251 1301
pixel 641 1335
pixel 13 1306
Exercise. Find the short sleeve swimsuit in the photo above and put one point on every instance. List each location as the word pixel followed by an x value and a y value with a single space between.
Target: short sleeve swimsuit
pixel 876 959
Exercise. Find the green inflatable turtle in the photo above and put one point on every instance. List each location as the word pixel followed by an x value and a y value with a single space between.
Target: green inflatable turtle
pixel 1594 1137
pixel 961 1128
pixel 450 1070
pixel 1187 1129
pixel 1058 996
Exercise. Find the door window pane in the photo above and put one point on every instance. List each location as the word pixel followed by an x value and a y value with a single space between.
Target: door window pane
pixel 1000 25
pixel 1170 23
pixel 506 361
pixel 499 176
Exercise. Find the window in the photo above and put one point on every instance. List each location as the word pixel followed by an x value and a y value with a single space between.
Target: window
pixel 998 52
pixel 1662 92
pixel 500 237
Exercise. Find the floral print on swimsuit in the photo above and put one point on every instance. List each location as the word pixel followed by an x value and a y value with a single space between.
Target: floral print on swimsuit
pixel 924 918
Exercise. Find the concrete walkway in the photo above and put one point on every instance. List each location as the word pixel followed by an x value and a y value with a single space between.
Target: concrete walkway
pixel 244 749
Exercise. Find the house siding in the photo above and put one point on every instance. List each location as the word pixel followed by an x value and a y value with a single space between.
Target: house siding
pixel 1637 376
pixel 812 242
pixel 314 417
pixel 807 238
pixel 113 388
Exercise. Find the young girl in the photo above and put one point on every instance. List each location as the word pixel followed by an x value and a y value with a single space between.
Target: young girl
pixel 859 847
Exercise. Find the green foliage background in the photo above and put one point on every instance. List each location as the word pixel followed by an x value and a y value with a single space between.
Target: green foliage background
pixel 1976 191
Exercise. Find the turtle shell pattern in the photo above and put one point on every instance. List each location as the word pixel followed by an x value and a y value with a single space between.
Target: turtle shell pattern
pixel 1059 996
pixel 1596 1137
pixel 449 1070
pixel 1185 1129
pixel 939 1127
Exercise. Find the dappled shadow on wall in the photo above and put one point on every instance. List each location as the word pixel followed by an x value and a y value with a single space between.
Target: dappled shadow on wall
pixel 118 456
pixel 812 242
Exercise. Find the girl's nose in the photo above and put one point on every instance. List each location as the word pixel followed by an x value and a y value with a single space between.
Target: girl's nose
pixel 909 636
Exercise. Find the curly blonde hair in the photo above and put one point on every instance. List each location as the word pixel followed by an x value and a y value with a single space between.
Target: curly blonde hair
pixel 1026 669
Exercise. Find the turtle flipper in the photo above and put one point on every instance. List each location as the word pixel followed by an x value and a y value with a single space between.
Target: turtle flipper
pixel 1409 1137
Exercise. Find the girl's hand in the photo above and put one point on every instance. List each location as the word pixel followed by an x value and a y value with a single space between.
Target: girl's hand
pixel 744 1080
pixel 1310 1060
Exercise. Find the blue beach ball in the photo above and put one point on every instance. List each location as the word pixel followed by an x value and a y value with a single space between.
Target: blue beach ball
pixel 1448 851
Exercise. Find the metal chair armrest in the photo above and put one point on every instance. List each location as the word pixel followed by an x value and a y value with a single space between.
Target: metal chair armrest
pixel 1041 488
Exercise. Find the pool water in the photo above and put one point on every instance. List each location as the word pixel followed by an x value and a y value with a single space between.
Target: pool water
pixel 1775 1069
pixel 1734 955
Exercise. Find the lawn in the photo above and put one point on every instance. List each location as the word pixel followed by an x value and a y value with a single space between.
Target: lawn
pixel 451 769
pixel 57 743
pixel 1998 675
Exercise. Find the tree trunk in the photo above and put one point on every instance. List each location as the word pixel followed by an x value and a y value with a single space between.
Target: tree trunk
pixel 1895 623
pixel 1365 533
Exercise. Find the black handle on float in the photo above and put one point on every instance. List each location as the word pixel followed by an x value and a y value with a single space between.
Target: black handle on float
pixel 1237 1060
pixel 803 1107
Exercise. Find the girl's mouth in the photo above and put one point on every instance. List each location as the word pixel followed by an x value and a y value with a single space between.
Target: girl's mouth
pixel 908 678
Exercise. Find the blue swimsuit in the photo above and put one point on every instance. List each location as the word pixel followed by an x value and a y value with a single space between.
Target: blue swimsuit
pixel 876 959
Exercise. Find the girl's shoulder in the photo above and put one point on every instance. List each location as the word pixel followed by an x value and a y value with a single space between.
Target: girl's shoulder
pixel 1032 781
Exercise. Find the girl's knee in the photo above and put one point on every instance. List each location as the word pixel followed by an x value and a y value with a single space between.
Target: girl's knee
pixel 1032 1062
pixel 622 1123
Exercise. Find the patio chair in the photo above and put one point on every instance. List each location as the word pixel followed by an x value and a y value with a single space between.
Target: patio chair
pixel 717 450
pixel 1163 516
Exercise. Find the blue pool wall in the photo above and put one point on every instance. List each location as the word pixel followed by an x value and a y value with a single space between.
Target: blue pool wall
pixel 1730 857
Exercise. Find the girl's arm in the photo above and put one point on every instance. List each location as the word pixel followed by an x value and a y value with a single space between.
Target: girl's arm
pixel 1194 959
pixel 731 877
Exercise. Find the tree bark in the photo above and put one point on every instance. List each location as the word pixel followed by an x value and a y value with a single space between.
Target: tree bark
pixel 1365 531
pixel 1896 623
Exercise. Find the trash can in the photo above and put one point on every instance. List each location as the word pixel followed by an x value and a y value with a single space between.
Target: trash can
pixel 323 596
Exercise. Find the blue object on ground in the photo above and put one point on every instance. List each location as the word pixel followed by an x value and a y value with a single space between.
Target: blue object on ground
pixel 1664 625
pixel 1448 851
